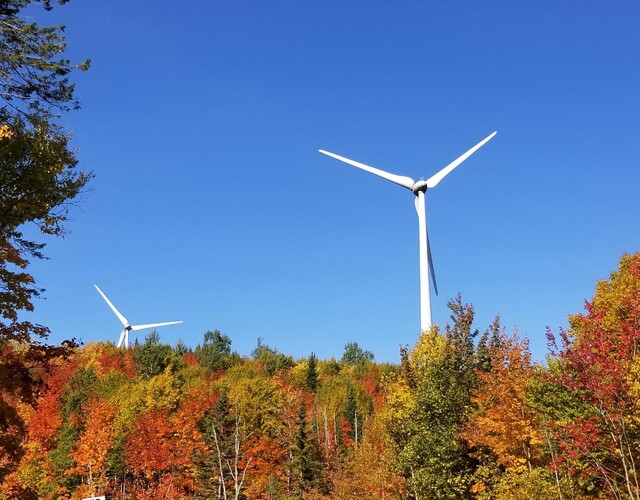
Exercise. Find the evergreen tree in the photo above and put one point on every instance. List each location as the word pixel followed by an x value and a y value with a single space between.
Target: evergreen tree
pixel 152 357
pixel 352 417
pixel 312 374
pixel 181 348
pixel 272 360
pixel 355 355
pixel 307 466
pixel 217 432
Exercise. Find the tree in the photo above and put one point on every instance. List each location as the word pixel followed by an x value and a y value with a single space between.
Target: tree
pixel 272 360
pixel 94 445
pixel 429 405
pixel 215 351
pixel 25 372
pixel 38 176
pixel 152 357
pixel 223 469
pixel 367 473
pixel 75 395
pixel 158 452
pixel 489 343
pixel 266 468
pixel 597 372
pixel 306 458
pixel 503 421
pixel 34 79
pixel 355 355
pixel 312 374
pixel 352 417
pixel 37 180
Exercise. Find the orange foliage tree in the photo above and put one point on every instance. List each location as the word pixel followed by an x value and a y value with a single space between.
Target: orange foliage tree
pixel 159 454
pixel 504 422
pixel 93 446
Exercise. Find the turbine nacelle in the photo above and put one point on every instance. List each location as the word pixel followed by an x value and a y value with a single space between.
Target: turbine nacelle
pixel 420 185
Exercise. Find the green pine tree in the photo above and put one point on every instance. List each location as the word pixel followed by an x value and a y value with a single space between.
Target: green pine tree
pixel 307 465
pixel 312 374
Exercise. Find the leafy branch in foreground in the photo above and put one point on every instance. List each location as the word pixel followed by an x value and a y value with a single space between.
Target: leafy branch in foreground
pixel 34 76
pixel 38 175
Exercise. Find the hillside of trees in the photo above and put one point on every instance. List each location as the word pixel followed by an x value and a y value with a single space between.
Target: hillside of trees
pixel 465 415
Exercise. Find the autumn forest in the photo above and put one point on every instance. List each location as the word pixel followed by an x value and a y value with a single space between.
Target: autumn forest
pixel 465 415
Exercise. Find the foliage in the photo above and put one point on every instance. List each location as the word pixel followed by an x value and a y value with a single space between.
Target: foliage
pixel 38 176
pixel 271 359
pixel 94 444
pixel 503 421
pixel 367 473
pixel 158 453
pixel 35 79
pixel 455 420
pixel 430 404
pixel 312 374
pixel 153 357
pixel 215 352
pixel 37 181
pixel 25 373
pixel 355 355
pixel 306 461
pixel 529 485
pixel 597 369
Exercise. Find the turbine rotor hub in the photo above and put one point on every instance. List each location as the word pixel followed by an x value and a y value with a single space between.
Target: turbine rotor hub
pixel 420 185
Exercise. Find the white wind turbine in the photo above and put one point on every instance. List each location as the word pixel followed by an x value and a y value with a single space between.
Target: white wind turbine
pixel 124 335
pixel 419 189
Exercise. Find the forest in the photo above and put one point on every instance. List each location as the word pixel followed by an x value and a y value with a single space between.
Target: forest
pixel 464 415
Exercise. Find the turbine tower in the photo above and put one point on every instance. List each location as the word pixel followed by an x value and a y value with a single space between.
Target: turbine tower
pixel 124 334
pixel 419 189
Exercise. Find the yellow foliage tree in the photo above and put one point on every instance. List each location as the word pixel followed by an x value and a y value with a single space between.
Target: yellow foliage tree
pixel 367 474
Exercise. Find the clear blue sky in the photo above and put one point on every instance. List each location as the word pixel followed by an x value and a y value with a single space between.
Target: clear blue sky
pixel 202 121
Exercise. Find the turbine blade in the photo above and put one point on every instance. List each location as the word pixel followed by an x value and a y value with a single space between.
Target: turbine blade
pixel 154 325
pixel 435 179
pixel 401 180
pixel 433 273
pixel 122 319
pixel 123 333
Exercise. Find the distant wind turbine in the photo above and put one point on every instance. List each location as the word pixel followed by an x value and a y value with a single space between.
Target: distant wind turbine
pixel 419 189
pixel 124 335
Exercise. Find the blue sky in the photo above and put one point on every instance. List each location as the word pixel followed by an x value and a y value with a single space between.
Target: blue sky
pixel 211 204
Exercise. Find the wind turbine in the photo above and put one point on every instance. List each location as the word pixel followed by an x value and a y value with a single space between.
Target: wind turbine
pixel 124 335
pixel 419 188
